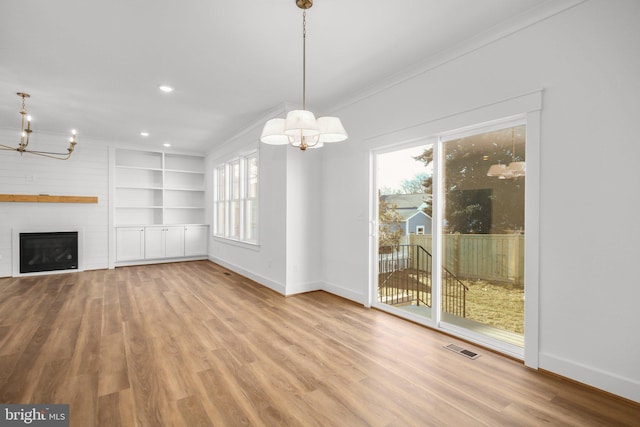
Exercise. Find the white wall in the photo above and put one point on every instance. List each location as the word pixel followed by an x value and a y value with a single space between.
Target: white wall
pixel 303 215
pixel 287 258
pixel 266 262
pixel 586 59
pixel 84 174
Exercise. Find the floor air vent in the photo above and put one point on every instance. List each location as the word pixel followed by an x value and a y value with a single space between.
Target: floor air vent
pixel 462 351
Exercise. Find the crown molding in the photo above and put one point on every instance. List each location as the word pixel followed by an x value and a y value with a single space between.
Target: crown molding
pixel 498 32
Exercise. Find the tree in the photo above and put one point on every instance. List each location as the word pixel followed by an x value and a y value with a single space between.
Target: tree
pixel 413 185
pixel 389 220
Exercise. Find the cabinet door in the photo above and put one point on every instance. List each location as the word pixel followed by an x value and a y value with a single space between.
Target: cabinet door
pixel 195 240
pixel 174 241
pixel 129 243
pixel 154 242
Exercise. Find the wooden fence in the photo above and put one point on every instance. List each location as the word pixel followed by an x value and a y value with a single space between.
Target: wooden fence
pixel 497 257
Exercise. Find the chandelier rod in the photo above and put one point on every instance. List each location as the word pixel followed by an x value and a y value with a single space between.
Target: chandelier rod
pixel 304 60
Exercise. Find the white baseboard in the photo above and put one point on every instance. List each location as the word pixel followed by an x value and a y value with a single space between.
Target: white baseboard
pixel 158 261
pixel 603 380
pixel 293 289
pixel 271 284
pixel 301 288
pixel 345 293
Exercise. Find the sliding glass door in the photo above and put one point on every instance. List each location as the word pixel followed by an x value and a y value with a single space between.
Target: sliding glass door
pixel 451 233
pixel 482 193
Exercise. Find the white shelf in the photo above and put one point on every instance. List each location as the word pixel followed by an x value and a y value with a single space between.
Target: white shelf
pixel 137 187
pixel 191 180
pixel 183 163
pixel 139 159
pixel 155 188
pixel 138 207
pixel 139 168
pixel 184 171
pixel 138 177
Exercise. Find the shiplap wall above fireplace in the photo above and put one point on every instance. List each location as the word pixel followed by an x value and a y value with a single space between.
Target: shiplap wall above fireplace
pixel 84 174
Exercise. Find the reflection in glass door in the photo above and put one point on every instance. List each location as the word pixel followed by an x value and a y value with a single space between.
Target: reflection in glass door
pixel 483 185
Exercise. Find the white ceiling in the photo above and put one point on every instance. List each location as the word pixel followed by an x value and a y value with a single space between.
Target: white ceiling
pixel 96 66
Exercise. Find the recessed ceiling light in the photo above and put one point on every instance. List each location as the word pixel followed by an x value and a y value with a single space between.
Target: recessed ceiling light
pixel 165 88
pixel 166 144
pixel 144 133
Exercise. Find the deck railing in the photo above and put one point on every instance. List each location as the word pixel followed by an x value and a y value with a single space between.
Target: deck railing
pixel 405 274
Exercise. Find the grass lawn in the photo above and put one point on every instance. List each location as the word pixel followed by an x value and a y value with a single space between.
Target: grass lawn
pixel 500 305
pixel 496 304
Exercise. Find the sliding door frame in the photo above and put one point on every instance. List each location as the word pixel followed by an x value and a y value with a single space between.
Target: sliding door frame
pixel 525 108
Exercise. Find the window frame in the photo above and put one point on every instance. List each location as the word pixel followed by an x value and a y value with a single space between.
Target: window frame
pixel 234 202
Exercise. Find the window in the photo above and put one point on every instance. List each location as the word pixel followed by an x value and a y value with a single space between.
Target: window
pixel 235 199
pixel 420 229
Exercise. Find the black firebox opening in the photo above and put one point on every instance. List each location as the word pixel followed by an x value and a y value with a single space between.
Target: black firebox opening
pixel 48 251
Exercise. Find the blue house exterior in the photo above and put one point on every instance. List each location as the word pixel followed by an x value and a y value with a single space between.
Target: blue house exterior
pixel 418 223
pixel 410 207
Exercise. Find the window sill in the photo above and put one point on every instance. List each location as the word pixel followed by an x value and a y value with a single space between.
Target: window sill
pixel 239 243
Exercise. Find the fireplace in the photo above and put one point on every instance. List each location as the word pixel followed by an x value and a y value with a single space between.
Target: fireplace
pixel 48 251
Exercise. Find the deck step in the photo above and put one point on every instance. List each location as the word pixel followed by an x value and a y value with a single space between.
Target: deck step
pixel 396 299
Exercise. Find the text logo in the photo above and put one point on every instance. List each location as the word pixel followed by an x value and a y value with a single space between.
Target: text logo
pixel 34 415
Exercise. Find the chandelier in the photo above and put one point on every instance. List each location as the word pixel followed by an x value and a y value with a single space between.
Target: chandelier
pixel 26 132
pixel 513 170
pixel 300 128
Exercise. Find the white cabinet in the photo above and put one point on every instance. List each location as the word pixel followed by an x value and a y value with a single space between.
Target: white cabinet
pixel 196 239
pixel 164 242
pixel 130 243
pixel 156 243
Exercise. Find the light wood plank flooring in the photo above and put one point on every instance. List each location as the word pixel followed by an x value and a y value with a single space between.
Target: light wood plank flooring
pixel 191 344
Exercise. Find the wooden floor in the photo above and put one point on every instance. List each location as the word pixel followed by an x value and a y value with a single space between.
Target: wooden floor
pixel 191 344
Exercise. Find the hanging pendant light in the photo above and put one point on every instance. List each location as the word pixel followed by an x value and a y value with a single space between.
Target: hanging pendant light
pixel 514 170
pixel 300 128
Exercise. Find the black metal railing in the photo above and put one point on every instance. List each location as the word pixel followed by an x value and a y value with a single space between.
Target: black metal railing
pixel 405 274
pixel 454 294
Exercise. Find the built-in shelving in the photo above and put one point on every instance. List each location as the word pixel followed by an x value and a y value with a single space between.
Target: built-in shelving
pixel 156 188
